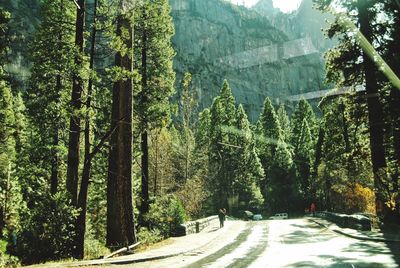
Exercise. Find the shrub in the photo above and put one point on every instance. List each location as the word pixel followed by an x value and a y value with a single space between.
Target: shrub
pixel 354 198
pixel 5 259
pixel 47 229
pixel 94 248
pixel 148 237
pixel 165 215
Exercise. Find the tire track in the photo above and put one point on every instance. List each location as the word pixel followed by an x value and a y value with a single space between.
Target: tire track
pixel 244 250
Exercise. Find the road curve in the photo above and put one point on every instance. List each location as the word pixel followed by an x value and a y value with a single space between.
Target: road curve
pixel 288 243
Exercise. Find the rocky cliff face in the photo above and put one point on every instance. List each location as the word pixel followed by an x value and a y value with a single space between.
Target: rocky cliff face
pixel 261 52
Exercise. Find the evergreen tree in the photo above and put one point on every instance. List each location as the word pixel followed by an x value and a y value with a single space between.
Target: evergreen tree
pixel 76 103
pixel 185 138
pixel 153 57
pixel 271 133
pixel 52 53
pixel 285 123
pixel 391 9
pixel 248 169
pixel 203 130
pixel 303 160
pixel 303 140
pixel 357 30
pixel 7 118
pixel 276 159
pixel 303 111
pixel 43 236
pixel 344 157
pixel 201 156
pixel 89 150
pixel 7 148
pixel 223 117
pixel 120 218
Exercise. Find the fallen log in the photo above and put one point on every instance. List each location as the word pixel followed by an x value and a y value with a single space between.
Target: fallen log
pixel 121 250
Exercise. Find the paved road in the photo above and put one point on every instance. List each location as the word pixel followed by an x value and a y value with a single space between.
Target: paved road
pixel 287 243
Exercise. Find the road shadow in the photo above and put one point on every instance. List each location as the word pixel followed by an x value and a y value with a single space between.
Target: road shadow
pixel 395 249
pixel 391 231
pixel 312 226
pixel 369 248
pixel 302 236
pixel 339 263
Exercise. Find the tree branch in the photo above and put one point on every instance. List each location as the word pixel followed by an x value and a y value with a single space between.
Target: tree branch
pixel 104 139
pixel 77 5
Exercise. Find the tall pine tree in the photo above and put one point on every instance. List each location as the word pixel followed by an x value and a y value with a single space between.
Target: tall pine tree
pixel 153 59
pixel 120 218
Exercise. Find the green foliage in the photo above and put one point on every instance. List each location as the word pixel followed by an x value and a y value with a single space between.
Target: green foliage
pixel 303 139
pixel 165 161
pixel 367 31
pixel 94 248
pixel 4 37
pixel 166 214
pixel 221 153
pixel 11 121
pixel 225 141
pixel 302 112
pixel 203 129
pixel 248 169
pixel 149 237
pixel 304 159
pixel 47 229
pixel 345 152
pixel 284 123
pixel 154 29
pixel 47 97
pixel 7 261
pixel 276 158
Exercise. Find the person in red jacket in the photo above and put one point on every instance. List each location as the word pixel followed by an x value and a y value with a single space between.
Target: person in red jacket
pixel 312 209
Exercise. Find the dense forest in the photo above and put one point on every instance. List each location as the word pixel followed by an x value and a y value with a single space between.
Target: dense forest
pixel 101 150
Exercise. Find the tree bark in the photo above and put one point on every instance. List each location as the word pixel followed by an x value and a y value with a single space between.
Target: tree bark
pixel 156 144
pixel 54 181
pixel 120 218
pixel 87 164
pixel 54 166
pixel 76 95
pixel 395 107
pixel 144 136
pixel 145 177
pixel 375 111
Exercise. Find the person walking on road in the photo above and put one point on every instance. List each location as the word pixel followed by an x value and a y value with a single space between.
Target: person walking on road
pixel 312 209
pixel 221 216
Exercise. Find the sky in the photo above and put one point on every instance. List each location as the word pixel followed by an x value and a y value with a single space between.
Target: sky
pixel 283 5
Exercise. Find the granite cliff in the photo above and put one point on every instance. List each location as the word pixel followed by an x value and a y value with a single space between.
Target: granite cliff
pixel 260 51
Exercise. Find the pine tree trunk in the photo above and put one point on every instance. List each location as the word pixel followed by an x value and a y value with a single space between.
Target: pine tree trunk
pixel 144 136
pixel 156 164
pixel 55 161
pixel 375 111
pixel 120 219
pixel 76 102
pixel 87 165
pixel 145 177
pixel 317 161
pixel 395 110
pixel 54 166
